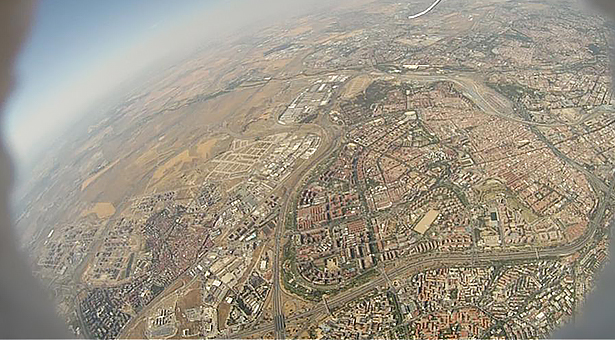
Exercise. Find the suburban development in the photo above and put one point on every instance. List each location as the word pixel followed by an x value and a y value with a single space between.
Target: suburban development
pixel 361 172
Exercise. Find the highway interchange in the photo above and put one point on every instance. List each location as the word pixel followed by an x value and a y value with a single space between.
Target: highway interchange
pixel 421 261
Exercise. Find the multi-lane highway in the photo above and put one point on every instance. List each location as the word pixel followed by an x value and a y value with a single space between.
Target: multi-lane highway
pixel 426 260
pixel 330 139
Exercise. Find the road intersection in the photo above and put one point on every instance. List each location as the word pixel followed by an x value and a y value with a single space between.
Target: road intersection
pixel 420 261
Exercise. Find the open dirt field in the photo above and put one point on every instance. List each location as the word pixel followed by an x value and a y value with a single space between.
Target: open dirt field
pixel 224 309
pixel 94 177
pixel 102 210
pixel 356 86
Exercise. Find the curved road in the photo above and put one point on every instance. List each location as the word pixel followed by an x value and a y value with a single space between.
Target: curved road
pixel 420 261
pixel 331 138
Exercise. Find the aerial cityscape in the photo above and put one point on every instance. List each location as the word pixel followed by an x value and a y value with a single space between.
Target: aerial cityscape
pixel 375 169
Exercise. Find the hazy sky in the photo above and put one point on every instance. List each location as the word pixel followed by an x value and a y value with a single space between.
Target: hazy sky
pixel 76 52
pixel 79 50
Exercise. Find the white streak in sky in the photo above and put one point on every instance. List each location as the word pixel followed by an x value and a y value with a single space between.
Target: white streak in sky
pixel 420 14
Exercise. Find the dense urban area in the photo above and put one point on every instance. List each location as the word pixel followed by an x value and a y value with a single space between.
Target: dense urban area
pixel 358 172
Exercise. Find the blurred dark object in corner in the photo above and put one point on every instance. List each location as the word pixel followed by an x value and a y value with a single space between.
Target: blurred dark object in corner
pixel 605 5
pixel 25 309
pixel 596 318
